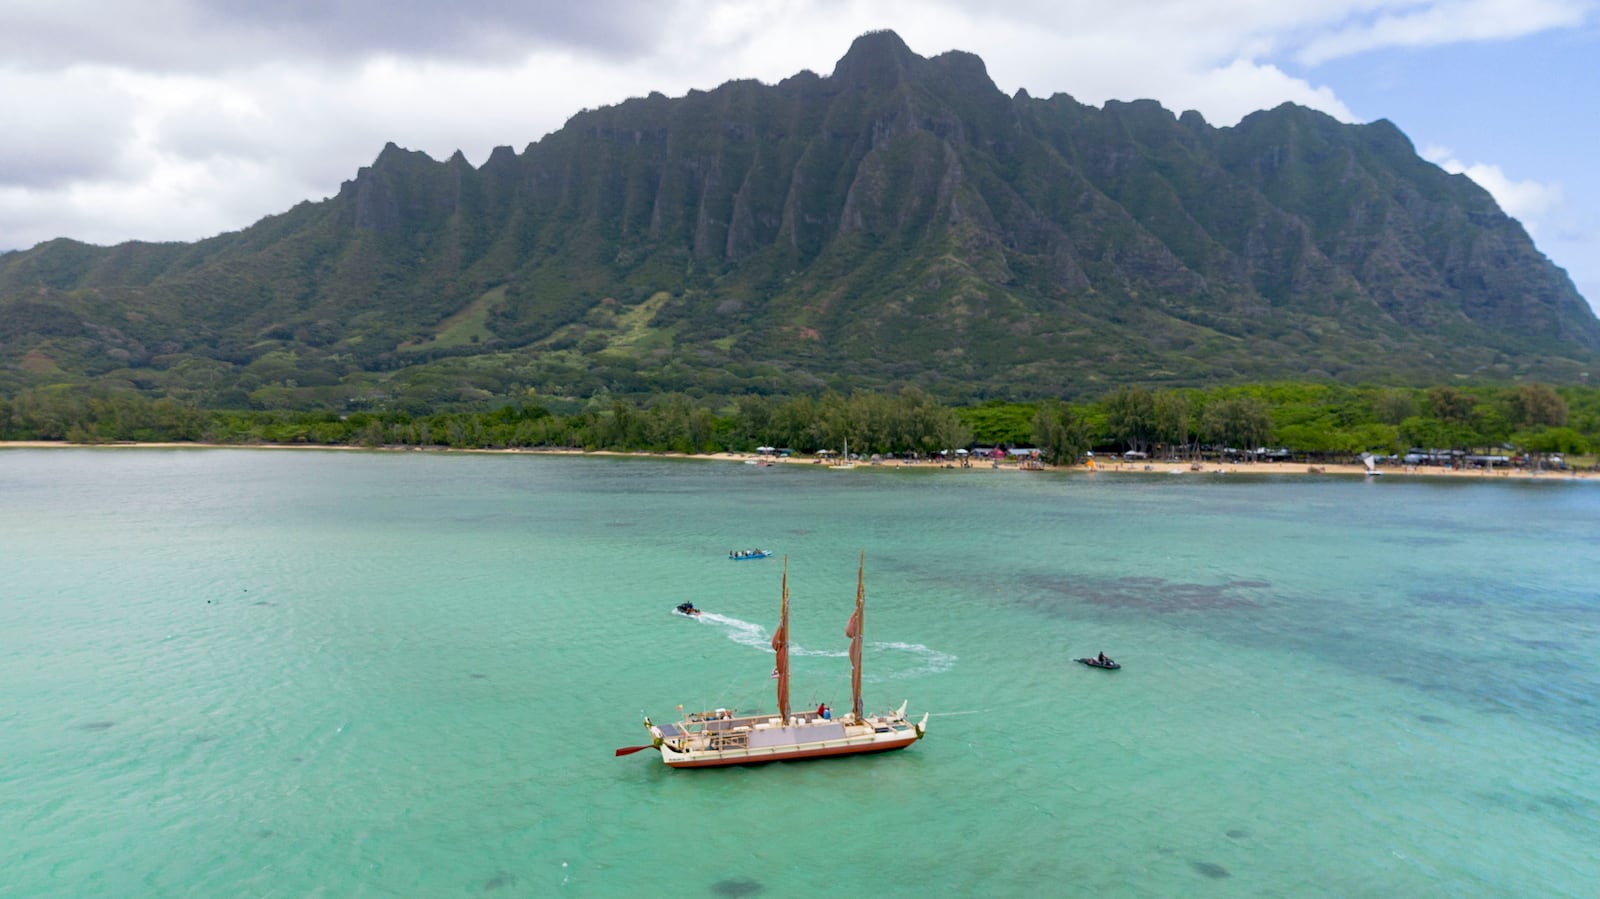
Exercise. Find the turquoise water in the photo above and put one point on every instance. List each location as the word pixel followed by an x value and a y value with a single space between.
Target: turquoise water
pixel 257 673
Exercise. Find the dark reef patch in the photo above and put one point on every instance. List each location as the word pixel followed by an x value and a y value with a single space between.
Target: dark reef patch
pixel 1151 594
pixel 742 886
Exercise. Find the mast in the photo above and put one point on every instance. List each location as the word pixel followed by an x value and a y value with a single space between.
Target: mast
pixel 780 645
pixel 853 631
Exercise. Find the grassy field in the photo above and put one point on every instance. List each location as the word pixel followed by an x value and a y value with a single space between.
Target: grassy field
pixel 468 326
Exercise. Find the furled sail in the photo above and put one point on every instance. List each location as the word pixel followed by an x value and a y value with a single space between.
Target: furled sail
pixel 853 631
pixel 780 645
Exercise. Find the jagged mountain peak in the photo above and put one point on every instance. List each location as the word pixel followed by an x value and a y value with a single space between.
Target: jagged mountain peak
pixel 900 221
pixel 877 59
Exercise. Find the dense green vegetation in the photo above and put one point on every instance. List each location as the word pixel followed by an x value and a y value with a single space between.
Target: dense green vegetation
pixel 1312 421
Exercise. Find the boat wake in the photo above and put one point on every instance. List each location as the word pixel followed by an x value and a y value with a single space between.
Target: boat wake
pixel 747 633
pixel 743 632
pixel 933 661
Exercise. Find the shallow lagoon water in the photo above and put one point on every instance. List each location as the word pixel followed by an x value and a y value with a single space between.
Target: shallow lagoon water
pixel 237 672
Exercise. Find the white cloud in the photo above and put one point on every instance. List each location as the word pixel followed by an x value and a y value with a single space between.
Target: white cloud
pixel 1227 94
pixel 1528 201
pixel 62 128
pixel 1430 24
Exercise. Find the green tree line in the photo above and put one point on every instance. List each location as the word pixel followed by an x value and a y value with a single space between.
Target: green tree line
pixel 1310 420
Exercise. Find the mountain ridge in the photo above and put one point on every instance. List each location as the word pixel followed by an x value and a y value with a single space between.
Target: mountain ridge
pixel 900 221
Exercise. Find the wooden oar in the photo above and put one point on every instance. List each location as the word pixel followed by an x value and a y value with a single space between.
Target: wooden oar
pixel 630 750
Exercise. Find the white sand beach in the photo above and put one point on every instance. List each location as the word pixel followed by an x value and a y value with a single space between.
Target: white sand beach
pixel 974 465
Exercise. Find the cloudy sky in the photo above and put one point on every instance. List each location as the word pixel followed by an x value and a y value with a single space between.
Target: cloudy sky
pixel 180 119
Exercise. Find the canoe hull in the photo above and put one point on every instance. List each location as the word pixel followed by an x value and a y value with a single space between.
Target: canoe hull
pixel 702 741
pixel 716 759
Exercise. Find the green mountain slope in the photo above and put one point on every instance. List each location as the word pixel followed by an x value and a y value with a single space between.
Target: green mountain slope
pixel 899 221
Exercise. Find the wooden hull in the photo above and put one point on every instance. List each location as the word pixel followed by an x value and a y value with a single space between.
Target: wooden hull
pixel 714 759
pixel 705 740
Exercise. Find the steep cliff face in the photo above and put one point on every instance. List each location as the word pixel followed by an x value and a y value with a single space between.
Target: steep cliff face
pixel 897 220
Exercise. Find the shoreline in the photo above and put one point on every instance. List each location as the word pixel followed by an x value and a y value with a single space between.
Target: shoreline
pixel 1118 467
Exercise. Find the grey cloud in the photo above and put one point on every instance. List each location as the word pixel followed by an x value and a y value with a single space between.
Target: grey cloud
pixel 198 132
pixel 34 166
pixel 58 132
pixel 37 167
pixel 206 35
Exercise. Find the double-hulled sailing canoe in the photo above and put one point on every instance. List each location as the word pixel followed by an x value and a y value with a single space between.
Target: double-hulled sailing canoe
pixel 719 737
